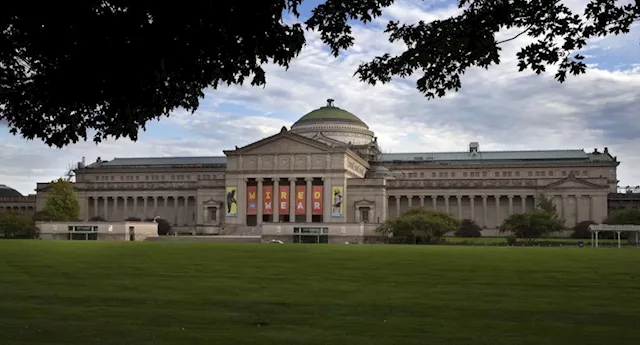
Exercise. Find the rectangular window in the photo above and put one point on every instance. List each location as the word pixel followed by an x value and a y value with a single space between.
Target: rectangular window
pixel 421 174
pixel 453 174
pixel 464 174
pixel 497 174
pixel 517 174
pixel 446 174
pixel 484 174
pixel 530 173
pixel 542 173
pixel 433 174
pixel 585 173
pixel 550 173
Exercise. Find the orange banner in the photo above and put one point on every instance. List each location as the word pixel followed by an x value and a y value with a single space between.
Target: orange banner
pixel 316 200
pixel 252 200
pixel 267 200
pixel 301 200
pixel 284 200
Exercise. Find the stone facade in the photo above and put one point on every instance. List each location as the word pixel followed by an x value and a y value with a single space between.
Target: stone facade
pixel 191 192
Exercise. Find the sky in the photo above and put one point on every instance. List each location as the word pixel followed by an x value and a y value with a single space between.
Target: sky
pixel 500 108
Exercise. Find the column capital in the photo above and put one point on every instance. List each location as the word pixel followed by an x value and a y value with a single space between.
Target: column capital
pixel 421 197
pixel 446 197
pixel 245 179
pixel 497 197
pixel 308 179
pixel 434 197
pixel 259 179
pixel 397 197
pixel 564 196
pixel 323 179
pixel 459 197
pixel 472 197
pixel 578 196
pixel 523 196
pixel 484 197
pixel 510 197
pixel 292 179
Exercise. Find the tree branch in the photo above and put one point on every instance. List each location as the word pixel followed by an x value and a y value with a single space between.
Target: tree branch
pixel 516 36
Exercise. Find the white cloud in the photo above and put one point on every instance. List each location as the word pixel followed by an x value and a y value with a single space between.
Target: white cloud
pixel 500 107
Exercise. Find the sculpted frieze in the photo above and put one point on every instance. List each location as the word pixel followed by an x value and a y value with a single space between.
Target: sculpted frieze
pixel 489 183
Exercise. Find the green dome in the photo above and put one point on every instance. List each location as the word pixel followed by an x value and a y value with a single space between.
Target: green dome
pixel 8 191
pixel 330 113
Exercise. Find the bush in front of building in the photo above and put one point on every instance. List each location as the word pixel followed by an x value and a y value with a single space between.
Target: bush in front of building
pixel 469 228
pixel 419 226
pixel 581 230
pixel 533 224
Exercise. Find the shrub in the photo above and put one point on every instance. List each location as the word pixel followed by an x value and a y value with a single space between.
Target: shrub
pixel 97 219
pixel 469 228
pixel 511 240
pixel 581 230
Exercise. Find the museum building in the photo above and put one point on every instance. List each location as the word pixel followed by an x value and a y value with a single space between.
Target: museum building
pixel 325 180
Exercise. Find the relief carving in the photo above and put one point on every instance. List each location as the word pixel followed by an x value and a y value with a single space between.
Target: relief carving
pixel 318 162
pixel 284 162
pixel 267 163
pixel 300 162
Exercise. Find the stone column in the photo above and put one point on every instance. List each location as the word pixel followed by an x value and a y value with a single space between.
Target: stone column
pixel 309 198
pixel 421 201
pixel 135 206
pixel 578 208
pixel 523 198
pixel 126 207
pixel 144 207
pixel 155 206
pixel 510 204
pixel 95 206
pixel 472 202
pixel 497 197
pixel 459 199
pixel 114 212
pixel 259 201
pixel 397 205
pixel 188 218
pixel 434 200
pixel 410 201
pixel 485 219
pixel 275 200
pixel 175 210
pixel 446 204
pixel 106 207
pixel 165 208
pixel 292 200
pixel 564 207
pixel 591 211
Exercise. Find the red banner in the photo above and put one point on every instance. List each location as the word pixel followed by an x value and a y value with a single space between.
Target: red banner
pixel 301 200
pixel 316 200
pixel 267 200
pixel 284 200
pixel 252 200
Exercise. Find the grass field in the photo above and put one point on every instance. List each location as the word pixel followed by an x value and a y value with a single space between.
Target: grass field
pixel 200 293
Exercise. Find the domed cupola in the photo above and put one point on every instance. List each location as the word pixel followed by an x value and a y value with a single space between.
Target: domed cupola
pixel 332 124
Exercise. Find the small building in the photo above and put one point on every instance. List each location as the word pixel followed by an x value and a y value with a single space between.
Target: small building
pixel 106 231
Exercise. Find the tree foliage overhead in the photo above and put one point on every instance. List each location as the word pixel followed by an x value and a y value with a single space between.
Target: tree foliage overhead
pixel 62 202
pixel 420 225
pixel 111 66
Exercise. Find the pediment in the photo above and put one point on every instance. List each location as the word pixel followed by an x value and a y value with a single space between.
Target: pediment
pixel 364 202
pixel 212 202
pixel 571 183
pixel 283 143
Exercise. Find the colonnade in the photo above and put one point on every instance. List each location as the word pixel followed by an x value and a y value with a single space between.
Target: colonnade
pixel 179 210
pixel 292 183
pixel 493 208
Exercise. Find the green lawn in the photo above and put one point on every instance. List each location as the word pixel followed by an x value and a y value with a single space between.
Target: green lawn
pixel 202 293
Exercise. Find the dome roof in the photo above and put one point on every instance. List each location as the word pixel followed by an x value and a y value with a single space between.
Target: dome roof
pixel 8 191
pixel 330 113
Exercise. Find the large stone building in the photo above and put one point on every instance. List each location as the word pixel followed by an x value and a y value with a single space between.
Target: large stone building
pixel 325 179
